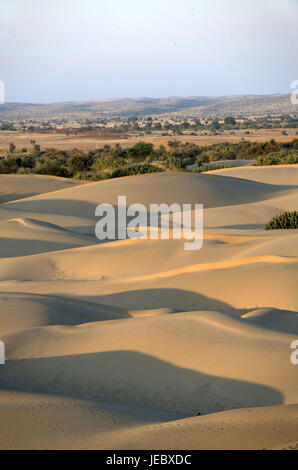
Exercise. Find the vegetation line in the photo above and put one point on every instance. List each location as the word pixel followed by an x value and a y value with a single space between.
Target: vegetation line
pixel 111 162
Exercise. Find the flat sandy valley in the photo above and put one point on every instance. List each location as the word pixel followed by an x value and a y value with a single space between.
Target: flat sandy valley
pixel 140 344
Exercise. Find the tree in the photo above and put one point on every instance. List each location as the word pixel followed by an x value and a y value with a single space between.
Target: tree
pixel 79 161
pixel 13 163
pixel 36 150
pixel 3 167
pixel 174 161
pixel 12 147
pixel 53 167
pixel 132 119
pixel 173 144
pixel 140 151
pixel 215 124
pixel 229 121
pixel 28 161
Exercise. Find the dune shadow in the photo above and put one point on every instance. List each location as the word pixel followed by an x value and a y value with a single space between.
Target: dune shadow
pixel 283 321
pixel 242 227
pixel 67 207
pixel 9 197
pixel 136 379
pixel 15 247
pixel 26 311
pixel 57 211
pixel 163 298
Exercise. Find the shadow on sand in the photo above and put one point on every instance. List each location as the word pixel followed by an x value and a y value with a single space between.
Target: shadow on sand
pixel 136 379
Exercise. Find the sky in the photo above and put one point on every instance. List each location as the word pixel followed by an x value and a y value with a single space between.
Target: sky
pixel 72 50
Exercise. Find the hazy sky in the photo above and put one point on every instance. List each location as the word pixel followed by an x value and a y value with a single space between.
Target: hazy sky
pixel 62 50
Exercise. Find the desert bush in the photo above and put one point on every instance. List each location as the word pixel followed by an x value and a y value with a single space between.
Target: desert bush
pixel 52 167
pixel 49 153
pixel 13 163
pixel 3 167
pixel 36 152
pixel 12 147
pixel 103 175
pixel 85 175
pixel 79 161
pixel 24 171
pixel 135 170
pixel 28 161
pixel 283 157
pixel 140 151
pixel 286 220
pixel 206 167
pixel 174 162
pixel 107 161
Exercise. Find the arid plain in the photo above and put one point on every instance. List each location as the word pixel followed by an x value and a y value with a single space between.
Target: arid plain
pixel 92 139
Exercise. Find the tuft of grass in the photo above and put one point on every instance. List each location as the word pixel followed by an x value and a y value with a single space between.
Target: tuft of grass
pixel 287 220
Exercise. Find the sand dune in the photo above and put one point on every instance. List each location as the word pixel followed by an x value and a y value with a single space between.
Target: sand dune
pixel 258 428
pixel 56 423
pixel 210 190
pixel 285 321
pixel 19 237
pixel 14 187
pixel 275 174
pixel 113 361
pixel 20 311
pixel 121 344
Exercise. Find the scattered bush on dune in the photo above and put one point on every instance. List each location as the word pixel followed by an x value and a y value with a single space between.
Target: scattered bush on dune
pixel 79 162
pixel 140 151
pixel 135 170
pixel 106 162
pixel 52 167
pixel 286 220
pixel 206 167
pixel 283 157
pixel 3 167
pixel 175 162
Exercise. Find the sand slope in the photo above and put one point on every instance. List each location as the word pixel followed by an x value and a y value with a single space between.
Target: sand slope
pixel 56 423
pixel 21 311
pixel 19 237
pixel 122 344
pixel 274 174
pixel 14 187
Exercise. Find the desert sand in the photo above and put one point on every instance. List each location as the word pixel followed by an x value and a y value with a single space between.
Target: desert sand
pixel 140 344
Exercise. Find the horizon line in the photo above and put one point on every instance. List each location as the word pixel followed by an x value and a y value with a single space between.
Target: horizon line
pixel 245 95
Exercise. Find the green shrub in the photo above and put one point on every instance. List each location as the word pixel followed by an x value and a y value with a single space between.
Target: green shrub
pixel 174 162
pixel 24 171
pixel 206 167
pixel 79 161
pixel 108 161
pixel 283 157
pixel 52 167
pixel 3 167
pixel 286 220
pixel 13 162
pixel 135 170
pixel 140 151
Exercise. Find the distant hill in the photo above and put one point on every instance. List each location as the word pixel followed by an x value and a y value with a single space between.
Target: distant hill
pixel 197 107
